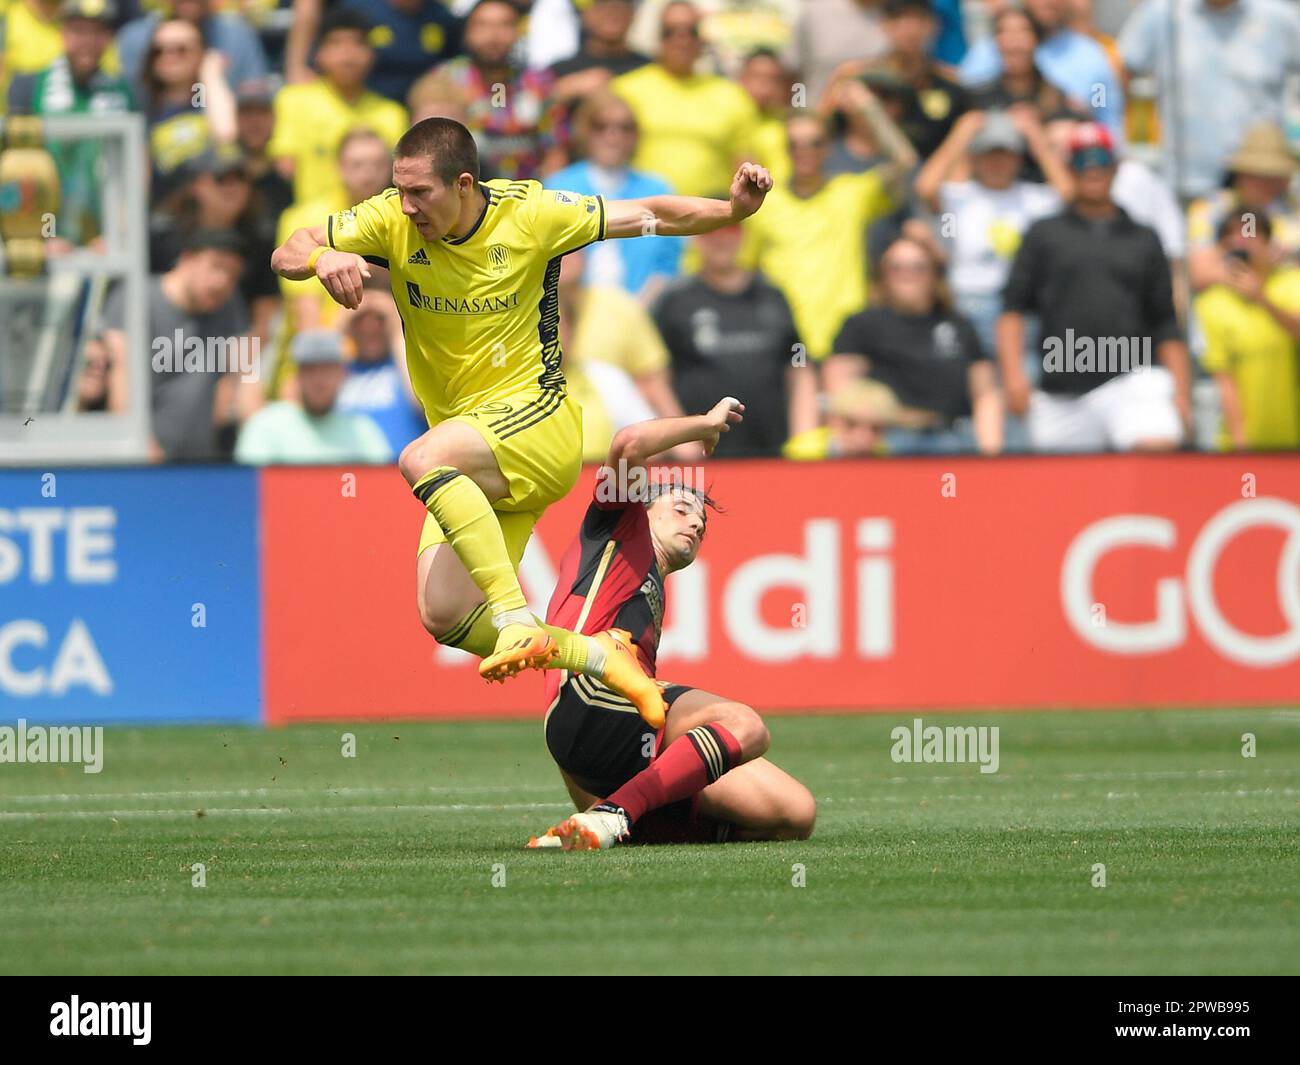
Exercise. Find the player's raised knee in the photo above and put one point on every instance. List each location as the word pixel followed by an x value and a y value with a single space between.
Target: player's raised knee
pixel 747 726
pixel 440 619
pixel 800 813
pixel 417 459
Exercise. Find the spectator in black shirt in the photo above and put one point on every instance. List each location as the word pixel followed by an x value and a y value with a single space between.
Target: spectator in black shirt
pixel 929 102
pixel 1100 283
pixel 929 356
pixel 603 54
pixel 1017 37
pixel 729 332
pixel 254 124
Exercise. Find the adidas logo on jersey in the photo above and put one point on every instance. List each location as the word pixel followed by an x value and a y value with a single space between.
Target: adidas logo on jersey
pixel 419 258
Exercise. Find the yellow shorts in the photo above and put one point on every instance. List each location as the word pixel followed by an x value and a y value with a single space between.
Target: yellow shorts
pixel 536 437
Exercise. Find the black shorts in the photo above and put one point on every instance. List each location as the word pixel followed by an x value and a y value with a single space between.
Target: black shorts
pixel 598 738
pixel 600 741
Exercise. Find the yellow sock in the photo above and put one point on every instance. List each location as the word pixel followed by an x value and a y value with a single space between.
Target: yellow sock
pixel 466 518
pixel 476 634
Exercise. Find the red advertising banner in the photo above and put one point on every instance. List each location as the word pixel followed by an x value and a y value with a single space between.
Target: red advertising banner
pixel 1107 581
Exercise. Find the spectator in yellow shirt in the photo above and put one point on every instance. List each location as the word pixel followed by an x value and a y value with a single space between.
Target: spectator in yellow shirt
pixel 768 84
pixel 30 39
pixel 311 119
pixel 1251 323
pixel 615 363
pixel 365 169
pixel 695 128
pixel 810 238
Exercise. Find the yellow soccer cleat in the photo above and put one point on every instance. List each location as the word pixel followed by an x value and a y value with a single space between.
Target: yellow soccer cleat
pixel 624 676
pixel 519 647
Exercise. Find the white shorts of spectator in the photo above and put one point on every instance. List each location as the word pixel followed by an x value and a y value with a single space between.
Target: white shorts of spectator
pixel 1128 410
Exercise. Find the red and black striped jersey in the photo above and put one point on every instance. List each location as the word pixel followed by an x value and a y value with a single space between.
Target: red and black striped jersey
pixel 609 579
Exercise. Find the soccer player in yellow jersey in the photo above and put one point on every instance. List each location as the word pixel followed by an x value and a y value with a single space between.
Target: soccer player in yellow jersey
pixel 474 268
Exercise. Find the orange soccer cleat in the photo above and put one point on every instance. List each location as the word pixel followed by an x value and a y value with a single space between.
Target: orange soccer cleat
pixel 624 676
pixel 519 647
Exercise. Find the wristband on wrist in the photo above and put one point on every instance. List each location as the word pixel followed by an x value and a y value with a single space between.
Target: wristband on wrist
pixel 314 256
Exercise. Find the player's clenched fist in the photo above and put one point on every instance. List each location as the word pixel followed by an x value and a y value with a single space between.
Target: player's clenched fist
pixel 727 412
pixel 751 183
pixel 343 275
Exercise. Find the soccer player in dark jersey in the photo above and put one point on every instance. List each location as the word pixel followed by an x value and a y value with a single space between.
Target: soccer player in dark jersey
pixel 698 776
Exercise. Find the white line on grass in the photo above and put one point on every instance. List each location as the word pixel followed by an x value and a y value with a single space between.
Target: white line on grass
pixel 191 812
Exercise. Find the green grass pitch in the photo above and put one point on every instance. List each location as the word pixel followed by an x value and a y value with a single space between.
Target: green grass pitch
pixel 384 863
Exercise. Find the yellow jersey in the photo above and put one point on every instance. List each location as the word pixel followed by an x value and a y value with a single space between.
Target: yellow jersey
pixel 310 122
pixel 694 130
pixel 481 312
pixel 814 249
pixel 1245 342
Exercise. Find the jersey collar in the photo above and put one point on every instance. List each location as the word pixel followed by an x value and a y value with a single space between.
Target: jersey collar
pixel 487 202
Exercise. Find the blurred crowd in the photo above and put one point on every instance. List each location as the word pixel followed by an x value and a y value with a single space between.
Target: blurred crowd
pixel 1053 225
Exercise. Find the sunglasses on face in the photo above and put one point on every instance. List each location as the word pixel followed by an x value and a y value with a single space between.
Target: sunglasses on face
pixel 617 127
pixel 681 31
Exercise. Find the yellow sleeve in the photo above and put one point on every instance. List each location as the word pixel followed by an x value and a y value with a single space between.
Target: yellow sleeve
pixel 564 221
pixel 365 229
pixel 1211 306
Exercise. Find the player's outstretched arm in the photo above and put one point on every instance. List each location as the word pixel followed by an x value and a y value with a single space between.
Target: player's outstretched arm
pixel 307 254
pixel 680 216
pixel 635 444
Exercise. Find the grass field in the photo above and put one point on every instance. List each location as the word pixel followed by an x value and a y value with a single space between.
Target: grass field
pixel 384 862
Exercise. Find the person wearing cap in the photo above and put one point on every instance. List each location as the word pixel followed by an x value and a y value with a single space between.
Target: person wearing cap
pixel 1074 62
pixel 310 430
pixel 254 125
pixel 1140 190
pixel 985 216
pixel 215 191
pixel 1251 325
pixel 196 325
pixel 76 83
pixel 857 418
pixel 1259 180
pixel 929 356
pixel 378 384
pixel 1114 369
pixel 1231 70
